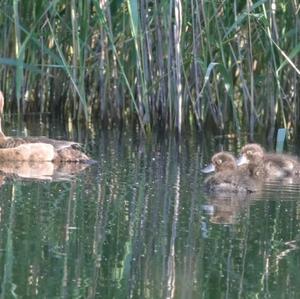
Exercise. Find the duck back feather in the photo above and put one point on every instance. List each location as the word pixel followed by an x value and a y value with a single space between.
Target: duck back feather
pixel 10 142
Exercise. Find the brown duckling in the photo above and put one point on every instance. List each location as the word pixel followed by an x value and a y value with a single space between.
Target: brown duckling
pixel 271 164
pixel 228 177
pixel 17 148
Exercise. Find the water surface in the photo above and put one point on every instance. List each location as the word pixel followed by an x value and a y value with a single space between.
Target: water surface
pixel 138 225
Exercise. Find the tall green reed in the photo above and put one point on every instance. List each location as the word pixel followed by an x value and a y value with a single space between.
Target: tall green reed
pixel 166 64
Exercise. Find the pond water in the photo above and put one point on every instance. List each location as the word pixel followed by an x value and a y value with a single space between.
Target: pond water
pixel 138 225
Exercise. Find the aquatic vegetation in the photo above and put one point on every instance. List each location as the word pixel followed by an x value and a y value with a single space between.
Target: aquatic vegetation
pixel 164 64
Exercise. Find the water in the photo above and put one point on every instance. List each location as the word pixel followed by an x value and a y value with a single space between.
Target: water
pixel 138 225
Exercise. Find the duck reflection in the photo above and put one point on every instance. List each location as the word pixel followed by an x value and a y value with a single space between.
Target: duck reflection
pixel 227 209
pixel 43 171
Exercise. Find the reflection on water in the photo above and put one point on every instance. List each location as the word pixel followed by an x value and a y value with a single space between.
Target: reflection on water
pixel 137 225
pixel 40 170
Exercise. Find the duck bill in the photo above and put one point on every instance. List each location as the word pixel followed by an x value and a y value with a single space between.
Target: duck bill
pixel 208 169
pixel 241 161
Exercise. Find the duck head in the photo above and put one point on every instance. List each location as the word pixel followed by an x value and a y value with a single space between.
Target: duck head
pixel 251 153
pixel 220 162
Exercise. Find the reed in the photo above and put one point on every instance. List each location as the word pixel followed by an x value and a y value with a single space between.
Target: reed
pixel 167 64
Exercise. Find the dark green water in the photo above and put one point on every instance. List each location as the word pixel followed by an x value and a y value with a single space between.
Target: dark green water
pixel 137 225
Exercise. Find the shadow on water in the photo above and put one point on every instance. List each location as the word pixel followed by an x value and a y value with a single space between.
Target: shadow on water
pixel 138 225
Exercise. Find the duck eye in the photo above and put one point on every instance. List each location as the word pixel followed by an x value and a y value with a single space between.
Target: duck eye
pixel 219 161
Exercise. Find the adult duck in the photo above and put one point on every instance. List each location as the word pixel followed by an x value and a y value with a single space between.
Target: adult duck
pixel 38 148
pixel 228 177
pixel 273 165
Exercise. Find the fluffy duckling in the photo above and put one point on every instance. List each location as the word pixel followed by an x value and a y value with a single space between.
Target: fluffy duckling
pixel 272 165
pixel 229 178
pixel 17 148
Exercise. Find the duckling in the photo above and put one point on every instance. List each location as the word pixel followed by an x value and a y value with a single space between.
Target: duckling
pixel 64 151
pixel 230 178
pixel 272 165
